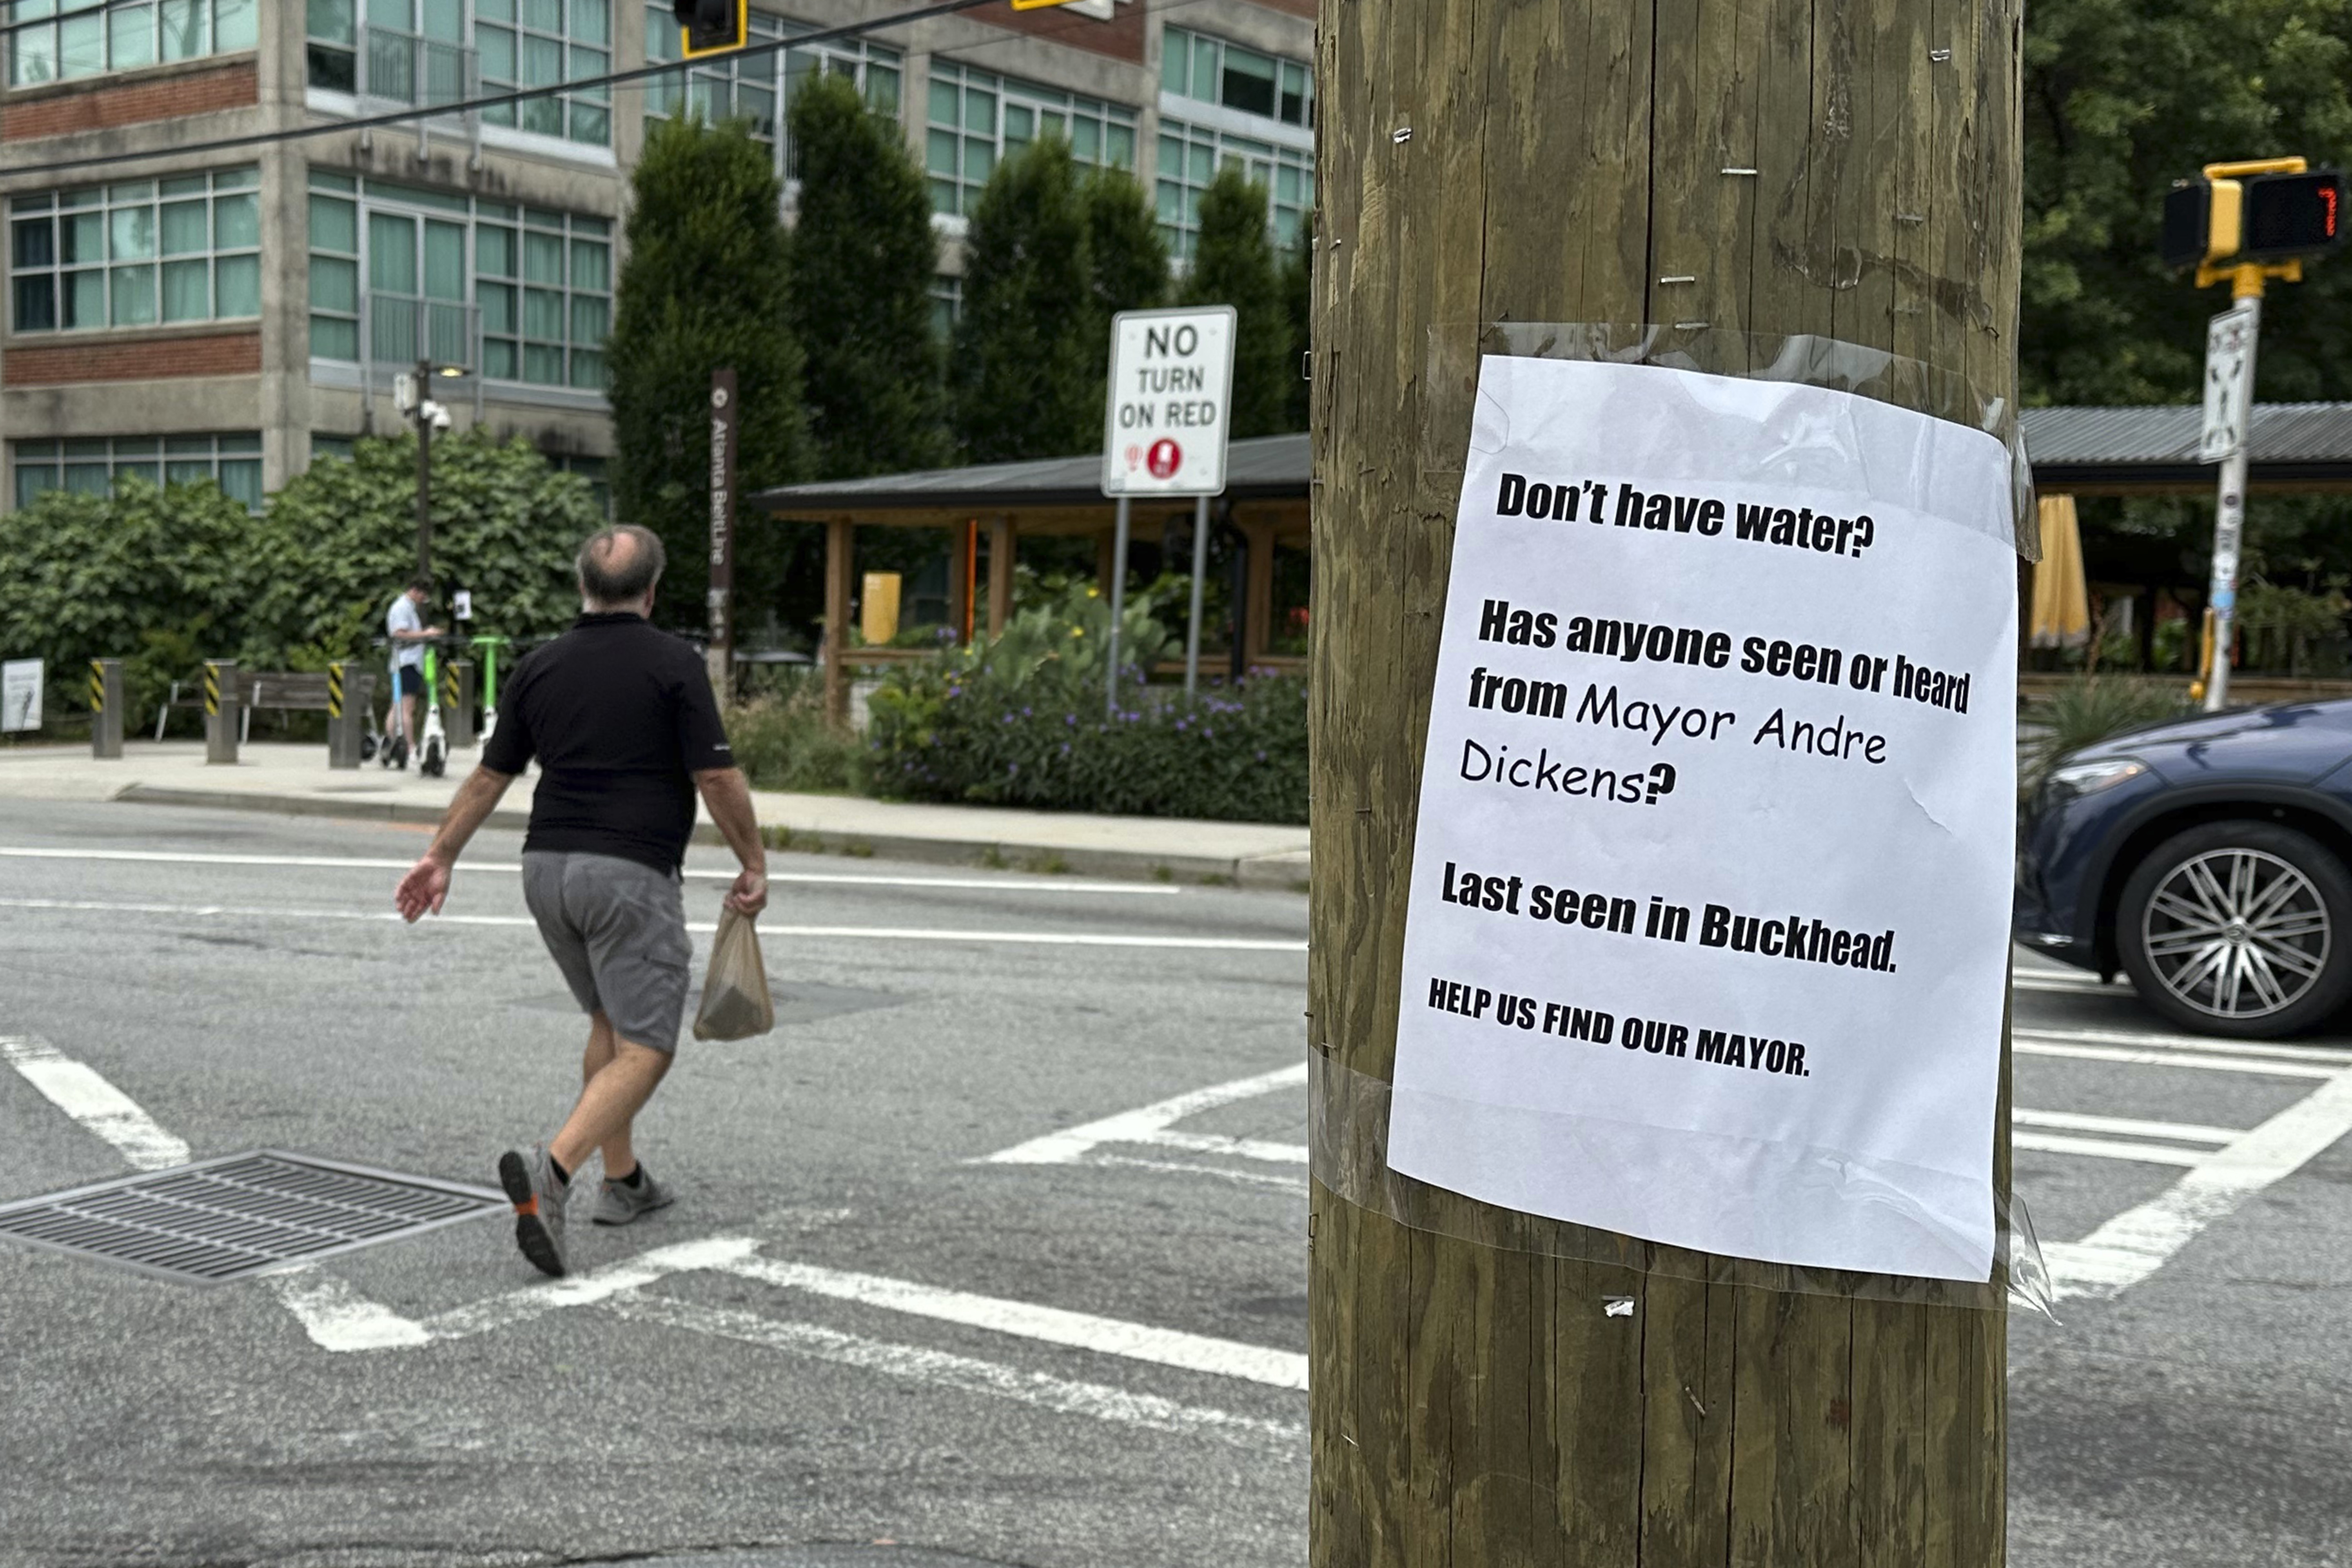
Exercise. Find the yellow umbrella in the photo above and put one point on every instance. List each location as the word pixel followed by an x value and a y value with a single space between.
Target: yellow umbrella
pixel 2062 606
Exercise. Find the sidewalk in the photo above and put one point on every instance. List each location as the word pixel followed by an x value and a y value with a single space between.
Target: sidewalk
pixel 294 779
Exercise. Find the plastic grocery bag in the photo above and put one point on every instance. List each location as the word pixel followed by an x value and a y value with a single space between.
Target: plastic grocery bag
pixel 735 1004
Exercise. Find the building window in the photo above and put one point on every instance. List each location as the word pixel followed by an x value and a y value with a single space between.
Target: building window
pixel 340 448
pixel 138 253
pixel 518 294
pixel 537 43
pixel 401 51
pixel 545 288
pixel 1210 70
pixel 977 118
pixel 1189 156
pixel 946 305
pixel 91 466
pixel 82 39
pixel 759 90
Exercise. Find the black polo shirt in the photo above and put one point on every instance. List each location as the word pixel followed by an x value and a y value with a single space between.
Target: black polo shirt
pixel 620 717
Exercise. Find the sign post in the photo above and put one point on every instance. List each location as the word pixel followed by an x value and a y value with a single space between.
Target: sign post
pixel 724 426
pixel 1166 422
pixel 2229 340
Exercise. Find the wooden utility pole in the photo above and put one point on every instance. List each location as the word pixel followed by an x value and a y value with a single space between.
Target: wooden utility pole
pixel 1765 166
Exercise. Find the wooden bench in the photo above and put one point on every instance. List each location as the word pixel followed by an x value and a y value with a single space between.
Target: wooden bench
pixel 286 690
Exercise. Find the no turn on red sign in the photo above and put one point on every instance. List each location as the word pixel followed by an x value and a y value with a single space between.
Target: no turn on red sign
pixel 1170 406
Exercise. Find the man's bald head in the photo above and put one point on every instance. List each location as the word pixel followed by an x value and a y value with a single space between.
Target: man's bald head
pixel 619 566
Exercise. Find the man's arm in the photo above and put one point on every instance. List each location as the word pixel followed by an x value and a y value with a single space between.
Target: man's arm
pixel 728 797
pixel 426 886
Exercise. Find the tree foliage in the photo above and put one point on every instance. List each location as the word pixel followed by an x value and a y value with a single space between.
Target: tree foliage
pixel 1024 373
pixel 2122 97
pixel 166 578
pixel 862 257
pixel 1234 265
pixel 1127 261
pixel 703 289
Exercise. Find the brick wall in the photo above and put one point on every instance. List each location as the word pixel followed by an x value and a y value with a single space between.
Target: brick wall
pixel 83 108
pixel 222 353
pixel 1120 37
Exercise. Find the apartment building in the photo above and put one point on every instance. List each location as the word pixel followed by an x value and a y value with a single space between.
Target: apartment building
pixel 240 311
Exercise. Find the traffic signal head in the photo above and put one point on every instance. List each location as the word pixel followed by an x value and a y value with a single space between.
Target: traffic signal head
pixel 2291 214
pixel 713 27
pixel 2200 222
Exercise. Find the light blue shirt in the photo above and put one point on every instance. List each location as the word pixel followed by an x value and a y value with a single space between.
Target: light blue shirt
pixel 402 617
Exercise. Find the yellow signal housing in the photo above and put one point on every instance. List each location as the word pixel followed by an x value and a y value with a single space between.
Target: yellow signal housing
pixel 724 38
pixel 1037 5
pixel 2225 233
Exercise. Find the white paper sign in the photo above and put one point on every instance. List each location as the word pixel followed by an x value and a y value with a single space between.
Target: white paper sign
pixel 2229 356
pixel 1169 404
pixel 20 694
pixel 1709 919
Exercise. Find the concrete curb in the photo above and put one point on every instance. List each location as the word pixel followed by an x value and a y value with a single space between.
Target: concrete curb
pixel 1285 871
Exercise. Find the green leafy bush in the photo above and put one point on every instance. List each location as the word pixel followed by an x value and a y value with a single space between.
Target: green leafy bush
pixel 2092 709
pixel 783 740
pixel 1020 722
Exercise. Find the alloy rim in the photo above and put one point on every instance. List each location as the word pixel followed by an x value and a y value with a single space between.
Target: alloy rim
pixel 2237 934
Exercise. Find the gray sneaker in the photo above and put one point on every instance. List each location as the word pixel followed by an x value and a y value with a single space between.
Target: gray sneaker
pixel 538 1196
pixel 618 1202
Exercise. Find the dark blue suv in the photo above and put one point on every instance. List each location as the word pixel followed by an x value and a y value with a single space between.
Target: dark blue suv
pixel 2207 859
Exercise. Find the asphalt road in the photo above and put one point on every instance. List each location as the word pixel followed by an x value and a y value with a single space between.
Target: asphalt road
pixel 859 1337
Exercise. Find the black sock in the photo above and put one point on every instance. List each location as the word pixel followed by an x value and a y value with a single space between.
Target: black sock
pixel 636 1176
pixel 561 1173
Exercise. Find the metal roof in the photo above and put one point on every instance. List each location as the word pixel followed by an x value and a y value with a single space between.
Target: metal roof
pixel 2084 449
pixel 2155 447
pixel 1267 467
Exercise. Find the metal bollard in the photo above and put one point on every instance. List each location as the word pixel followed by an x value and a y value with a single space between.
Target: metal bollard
pixel 106 707
pixel 220 710
pixel 346 718
pixel 458 702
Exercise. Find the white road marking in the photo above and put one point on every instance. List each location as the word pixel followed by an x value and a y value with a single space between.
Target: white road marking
pixel 2070 985
pixel 1052 1325
pixel 588 1289
pixel 1071 1144
pixel 2134 1244
pixel 856 933
pixel 338 1317
pixel 2106 1148
pixel 1222 1172
pixel 354 863
pixel 2285 1051
pixel 2075 1121
pixel 944 1369
pixel 82 1093
pixel 1241 1148
pixel 2173 1058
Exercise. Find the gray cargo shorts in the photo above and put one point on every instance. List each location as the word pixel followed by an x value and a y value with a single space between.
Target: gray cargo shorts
pixel 617 929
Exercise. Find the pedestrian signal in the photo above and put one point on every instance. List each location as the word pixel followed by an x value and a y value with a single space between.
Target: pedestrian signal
pixel 2200 222
pixel 2291 214
pixel 713 27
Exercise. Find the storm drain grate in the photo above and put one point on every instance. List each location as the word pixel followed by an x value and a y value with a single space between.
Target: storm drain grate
pixel 241 1215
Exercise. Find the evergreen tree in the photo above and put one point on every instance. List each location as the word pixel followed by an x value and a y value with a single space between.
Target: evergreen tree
pixel 1234 265
pixel 703 289
pixel 1127 263
pixel 1025 375
pixel 862 257
pixel 1298 297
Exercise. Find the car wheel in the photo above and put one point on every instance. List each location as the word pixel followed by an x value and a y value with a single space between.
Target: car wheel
pixel 2238 928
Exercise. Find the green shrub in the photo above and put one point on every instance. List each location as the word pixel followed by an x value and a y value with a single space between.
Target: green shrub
pixel 2092 709
pixel 1020 722
pixel 782 742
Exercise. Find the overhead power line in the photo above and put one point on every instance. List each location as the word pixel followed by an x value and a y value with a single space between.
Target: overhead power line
pixel 494 101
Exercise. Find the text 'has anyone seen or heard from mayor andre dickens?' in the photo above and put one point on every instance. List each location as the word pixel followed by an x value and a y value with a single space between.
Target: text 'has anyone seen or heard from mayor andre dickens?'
pixel 1715 809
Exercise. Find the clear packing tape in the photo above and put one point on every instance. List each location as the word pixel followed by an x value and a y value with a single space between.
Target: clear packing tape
pixel 1801 359
pixel 1348 1110
pixel 1347 1139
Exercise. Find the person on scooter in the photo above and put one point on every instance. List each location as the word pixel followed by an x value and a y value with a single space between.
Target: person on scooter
pixel 404 624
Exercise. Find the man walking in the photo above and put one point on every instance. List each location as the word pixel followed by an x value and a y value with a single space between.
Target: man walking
pixel 403 626
pixel 621 719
